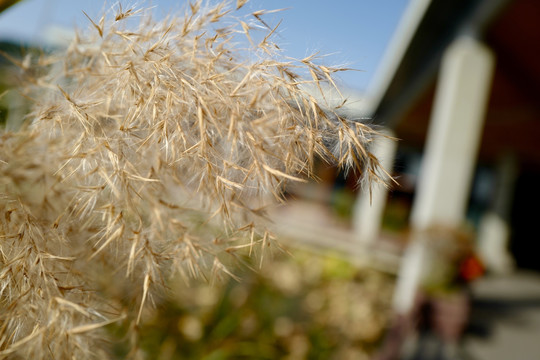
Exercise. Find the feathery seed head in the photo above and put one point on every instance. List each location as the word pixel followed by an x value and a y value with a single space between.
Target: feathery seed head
pixel 153 151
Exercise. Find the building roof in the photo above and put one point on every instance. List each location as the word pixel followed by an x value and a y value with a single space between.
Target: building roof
pixel 512 30
pixel 441 22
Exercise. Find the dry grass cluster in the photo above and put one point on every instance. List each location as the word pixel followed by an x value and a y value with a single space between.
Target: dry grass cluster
pixel 152 151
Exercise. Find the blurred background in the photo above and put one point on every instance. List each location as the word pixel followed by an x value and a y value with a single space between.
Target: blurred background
pixel 443 264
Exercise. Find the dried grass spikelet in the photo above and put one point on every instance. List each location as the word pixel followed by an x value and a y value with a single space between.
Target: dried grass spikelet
pixel 151 152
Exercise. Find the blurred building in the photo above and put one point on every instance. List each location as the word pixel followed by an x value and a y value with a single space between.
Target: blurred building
pixel 460 93
pixel 459 89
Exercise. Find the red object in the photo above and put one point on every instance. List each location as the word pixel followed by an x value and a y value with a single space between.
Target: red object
pixel 471 268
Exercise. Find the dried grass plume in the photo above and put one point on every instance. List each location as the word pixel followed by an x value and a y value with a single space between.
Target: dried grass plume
pixel 152 150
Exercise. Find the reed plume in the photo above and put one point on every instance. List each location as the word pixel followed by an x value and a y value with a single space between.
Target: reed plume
pixel 152 151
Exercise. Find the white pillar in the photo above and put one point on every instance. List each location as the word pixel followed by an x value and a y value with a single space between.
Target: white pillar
pixel 369 208
pixel 450 155
pixel 494 229
pixel 454 135
pixel 410 272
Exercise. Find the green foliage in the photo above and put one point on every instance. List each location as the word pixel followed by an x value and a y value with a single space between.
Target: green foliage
pixel 3 116
pixel 306 307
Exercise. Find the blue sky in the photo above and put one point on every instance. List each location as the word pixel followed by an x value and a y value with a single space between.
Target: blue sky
pixel 353 32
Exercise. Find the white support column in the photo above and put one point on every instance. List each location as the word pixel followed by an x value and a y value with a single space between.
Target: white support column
pixel 368 210
pixel 454 135
pixel 449 155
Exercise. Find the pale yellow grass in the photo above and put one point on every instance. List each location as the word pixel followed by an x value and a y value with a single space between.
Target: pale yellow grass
pixel 152 151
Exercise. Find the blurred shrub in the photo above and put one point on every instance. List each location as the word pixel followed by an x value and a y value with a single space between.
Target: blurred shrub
pixel 296 307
